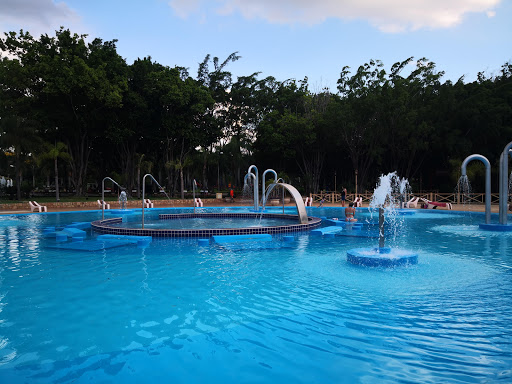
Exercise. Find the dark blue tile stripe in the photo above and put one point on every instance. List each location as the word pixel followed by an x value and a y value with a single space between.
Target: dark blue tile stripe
pixel 104 226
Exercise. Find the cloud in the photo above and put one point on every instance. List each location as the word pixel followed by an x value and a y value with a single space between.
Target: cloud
pixel 36 16
pixel 386 15
pixel 184 7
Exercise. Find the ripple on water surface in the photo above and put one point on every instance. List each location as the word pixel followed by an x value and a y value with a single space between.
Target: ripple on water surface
pixel 299 313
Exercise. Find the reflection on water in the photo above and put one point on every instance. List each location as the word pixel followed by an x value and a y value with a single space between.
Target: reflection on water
pixel 260 314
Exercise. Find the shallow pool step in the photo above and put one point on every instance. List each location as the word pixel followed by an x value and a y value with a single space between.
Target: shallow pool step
pixel 363 233
pixel 91 245
pixel 65 233
pixel 254 246
pixel 139 240
pixel 343 223
pixel 327 230
pixel 124 237
pixel 259 237
pixel 79 225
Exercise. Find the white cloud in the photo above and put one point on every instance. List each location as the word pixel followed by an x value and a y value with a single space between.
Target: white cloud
pixel 387 15
pixel 36 16
pixel 184 7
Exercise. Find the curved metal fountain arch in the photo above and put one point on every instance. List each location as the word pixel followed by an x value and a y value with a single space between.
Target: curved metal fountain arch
pixel 251 175
pixel 103 194
pixel 263 197
pixel 484 160
pixel 255 179
pixel 504 183
pixel 305 222
pixel 299 203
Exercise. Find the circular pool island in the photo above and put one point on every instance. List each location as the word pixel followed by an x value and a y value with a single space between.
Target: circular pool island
pixel 207 224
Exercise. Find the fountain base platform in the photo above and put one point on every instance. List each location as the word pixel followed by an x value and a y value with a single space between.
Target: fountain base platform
pixel 496 227
pixel 381 257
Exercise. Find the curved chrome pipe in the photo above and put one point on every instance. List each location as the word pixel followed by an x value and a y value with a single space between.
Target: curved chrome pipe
pixel 103 195
pixel 484 160
pixel 144 193
pixel 299 203
pixel 253 176
pixel 256 180
pixel 263 186
pixel 504 183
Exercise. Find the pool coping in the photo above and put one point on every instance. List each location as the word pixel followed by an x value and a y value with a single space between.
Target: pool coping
pixel 104 226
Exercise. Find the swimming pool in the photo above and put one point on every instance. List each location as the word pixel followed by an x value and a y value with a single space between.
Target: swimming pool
pixel 257 312
pixel 198 223
pixel 204 224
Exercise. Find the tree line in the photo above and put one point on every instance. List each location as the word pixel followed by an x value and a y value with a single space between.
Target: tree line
pixel 73 112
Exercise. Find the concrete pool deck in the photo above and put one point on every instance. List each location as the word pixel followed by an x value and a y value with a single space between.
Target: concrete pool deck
pixel 17 208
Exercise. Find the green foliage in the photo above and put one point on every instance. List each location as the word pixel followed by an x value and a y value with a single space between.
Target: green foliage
pixel 101 116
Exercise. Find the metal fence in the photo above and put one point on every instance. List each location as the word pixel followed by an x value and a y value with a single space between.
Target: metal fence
pixel 454 198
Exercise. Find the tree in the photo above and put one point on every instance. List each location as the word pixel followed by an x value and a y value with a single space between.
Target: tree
pixel 183 104
pixel 357 115
pixel 133 127
pixel 19 136
pixel 18 133
pixel 219 82
pixel 76 85
pixel 406 115
pixel 54 152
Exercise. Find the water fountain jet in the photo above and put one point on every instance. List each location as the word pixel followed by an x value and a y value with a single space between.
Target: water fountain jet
pixel 389 186
pixel 299 203
pixel 194 185
pixel 144 193
pixel 103 194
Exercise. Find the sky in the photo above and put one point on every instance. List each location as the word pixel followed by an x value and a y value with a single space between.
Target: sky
pixel 286 39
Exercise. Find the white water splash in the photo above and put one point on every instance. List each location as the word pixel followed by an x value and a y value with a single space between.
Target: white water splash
pixel 390 191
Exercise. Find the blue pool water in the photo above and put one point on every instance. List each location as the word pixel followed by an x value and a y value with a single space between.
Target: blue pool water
pixel 293 312
pixel 134 221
